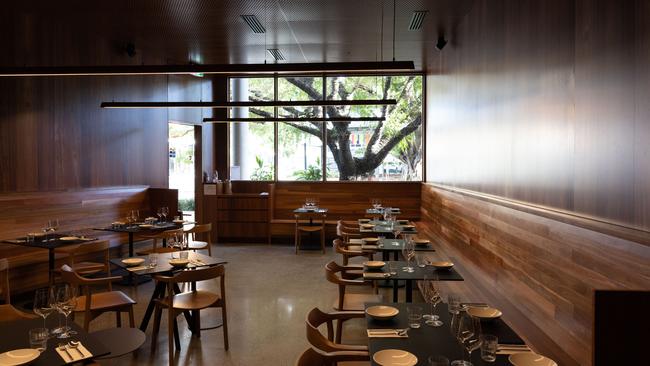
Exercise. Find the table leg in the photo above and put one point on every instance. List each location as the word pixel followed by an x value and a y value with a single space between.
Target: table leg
pixel 130 244
pixel 51 265
pixel 395 286
pixel 396 255
pixel 409 290
pixel 385 255
pixel 158 293
pixel 186 313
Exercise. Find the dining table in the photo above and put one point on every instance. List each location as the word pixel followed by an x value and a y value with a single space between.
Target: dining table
pixel 197 260
pixel 379 212
pixel 141 228
pixel 50 242
pixel 427 340
pixel 385 227
pixel 418 274
pixel 393 246
pixel 16 336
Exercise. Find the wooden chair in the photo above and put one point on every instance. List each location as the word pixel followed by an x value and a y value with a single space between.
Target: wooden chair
pixel 350 236
pixel 5 292
pixel 85 268
pixel 193 301
pixel 316 318
pixel 193 244
pixel 346 252
pixel 95 304
pixel 313 357
pixel 166 235
pixel 9 313
pixel 340 276
pixel 316 224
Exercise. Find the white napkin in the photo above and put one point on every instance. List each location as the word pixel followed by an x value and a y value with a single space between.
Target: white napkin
pixel 505 349
pixel 375 275
pixel 385 333
pixel 80 353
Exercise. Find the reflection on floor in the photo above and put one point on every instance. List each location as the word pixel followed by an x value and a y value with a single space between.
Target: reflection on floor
pixel 269 291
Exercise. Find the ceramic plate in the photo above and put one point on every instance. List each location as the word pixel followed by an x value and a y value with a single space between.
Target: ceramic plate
pixel 395 357
pixel 133 261
pixel 374 264
pixel 408 227
pixel 530 359
pixel 370 240
pixel 421 241
pixel 442 265
pixel 19 357
pixel 37 235
pixel 177 262
pixel 367 226
pixel 382 312
pixel 484 312
pixel 364 220
pixel 146 225
pixel 68 238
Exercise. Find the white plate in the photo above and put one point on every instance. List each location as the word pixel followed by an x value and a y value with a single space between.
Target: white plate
pixel 178 262
pixel 19 357
pixel 484 312
pixel 442 265
pixel 68 238
pixel 374 264
pixel 382 312
pixel 131 262
pixel 530 359
pixel 395 357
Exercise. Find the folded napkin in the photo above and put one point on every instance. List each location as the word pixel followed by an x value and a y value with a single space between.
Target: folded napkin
pixel 375 275
pixel 79 353
pixel 15 241
pixel 138 268
pixel 386 333
pixel 368 247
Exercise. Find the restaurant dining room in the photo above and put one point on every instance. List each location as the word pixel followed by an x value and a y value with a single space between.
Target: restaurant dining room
pixel 325 182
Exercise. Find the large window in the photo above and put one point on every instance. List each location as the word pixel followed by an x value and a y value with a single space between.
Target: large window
pixel 382 150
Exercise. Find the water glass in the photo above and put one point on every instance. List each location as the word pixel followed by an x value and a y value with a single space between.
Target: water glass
pixel 38 338
pixel 437 360
pixel 414 316
pixel 183 254
pixel 489 346
pixel 153 260
pixel 453 301
pixel 392 268
pixel 420 260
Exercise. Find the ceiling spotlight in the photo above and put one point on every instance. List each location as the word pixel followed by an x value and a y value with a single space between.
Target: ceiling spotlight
pixel 442 42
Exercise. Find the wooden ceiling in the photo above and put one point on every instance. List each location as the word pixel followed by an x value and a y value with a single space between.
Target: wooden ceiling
pixel 75 32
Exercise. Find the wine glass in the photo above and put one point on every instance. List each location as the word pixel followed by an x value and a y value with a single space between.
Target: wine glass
pixel 159 214
pixel 43 303
pixel 66 302
pixel 468 334
pixel 408 251
pixel 433 297
pixel 165 212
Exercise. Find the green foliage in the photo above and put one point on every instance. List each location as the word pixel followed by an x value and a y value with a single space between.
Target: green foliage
pixel 312 173
pixel 262 171
pixel 186 204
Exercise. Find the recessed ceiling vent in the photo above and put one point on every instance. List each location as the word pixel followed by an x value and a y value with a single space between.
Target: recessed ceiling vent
pixel 417 19
pixel 254 23
pixel 277 55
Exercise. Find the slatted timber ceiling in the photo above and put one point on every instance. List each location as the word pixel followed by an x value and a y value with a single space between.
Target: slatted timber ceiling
pixel 74 32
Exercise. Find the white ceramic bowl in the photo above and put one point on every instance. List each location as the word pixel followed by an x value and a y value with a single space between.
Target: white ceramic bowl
pixel 374 264
pixel 179 262
pixel 132 262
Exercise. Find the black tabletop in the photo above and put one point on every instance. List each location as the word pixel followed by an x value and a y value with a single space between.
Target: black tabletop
pixel 310 210
pixel 419 273
pixel 16 336
pixel 50 241
pixel 386 229
pixel 137 228
pixel 380 211
pixel 426 340
pixel 381 222
pixel 163 266
pixel 389 245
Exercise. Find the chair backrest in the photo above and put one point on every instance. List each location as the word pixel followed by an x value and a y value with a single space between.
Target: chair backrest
pixel 70 276
pixel 313 357
pixel 332 270
pixel 315 318
pixel 197 275
pixel 340 248
pixel 317 217
pixel 202 228
pixel 92 247
pixel 8 314
pixel 4 280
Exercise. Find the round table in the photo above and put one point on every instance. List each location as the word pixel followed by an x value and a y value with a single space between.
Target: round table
pixel 120 341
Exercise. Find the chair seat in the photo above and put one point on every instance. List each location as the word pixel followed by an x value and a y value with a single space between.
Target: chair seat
pixel 310 228
pixel 196 245
pixel 85 267
pixel 357 301
pixel 194 300
pixel 355 242
pixel 104 300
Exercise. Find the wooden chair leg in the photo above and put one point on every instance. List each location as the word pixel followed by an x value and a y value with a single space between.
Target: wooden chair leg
pixel 297 240
pixel 224 319
pixel 118 318
pixel 196 318
pixel 131 317
pixel 156 327
pixel 339 331
pixel 177 338
pixel 322 240
pixel 170 335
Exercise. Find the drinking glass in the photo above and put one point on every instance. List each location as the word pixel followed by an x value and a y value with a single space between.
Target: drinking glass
pixel 184 254
pixel 159 214
pixel 66 302
pixel 153 260
pixel 489 346
pixel 420 260
pixel 392 268
pixel 438 361
pixel 453 301
pixel 469 331
pixel 43 303
pixel 433 298
pixel 38 338
pixel 414 316
pixel 165 212
pixel 408 252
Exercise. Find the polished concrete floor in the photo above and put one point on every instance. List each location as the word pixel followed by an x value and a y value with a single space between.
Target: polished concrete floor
pixel 269 291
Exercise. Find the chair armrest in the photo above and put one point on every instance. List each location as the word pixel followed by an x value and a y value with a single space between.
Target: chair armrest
pixel 99 281
pixel 341 356
pixel 344 315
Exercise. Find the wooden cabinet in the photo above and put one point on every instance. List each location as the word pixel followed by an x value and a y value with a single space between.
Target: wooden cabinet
pixel 238 217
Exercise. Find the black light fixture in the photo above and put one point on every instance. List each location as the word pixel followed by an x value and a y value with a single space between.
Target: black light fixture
pixel 293 119
pixel 226 69
pixel 442 42
pixel 245 104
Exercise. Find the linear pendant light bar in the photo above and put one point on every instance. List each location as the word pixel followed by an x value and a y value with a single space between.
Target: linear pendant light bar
pixel 294 119
pixel 226 69
pixel 288 103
